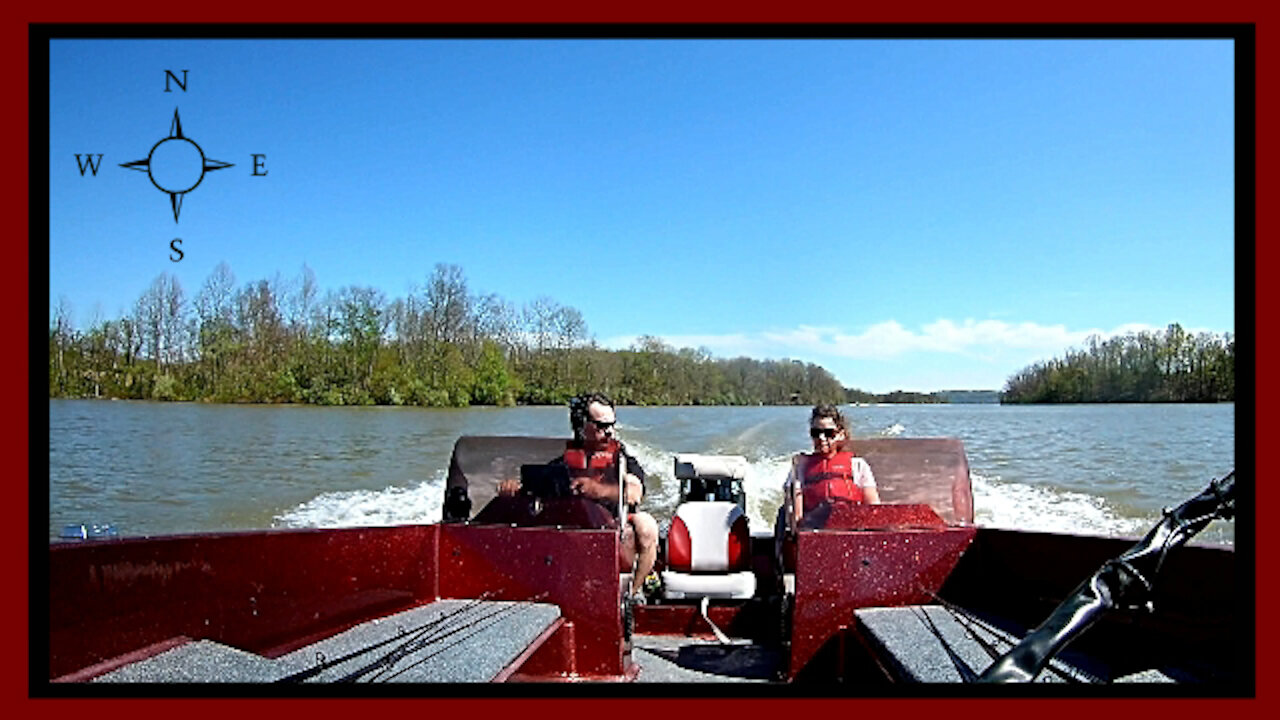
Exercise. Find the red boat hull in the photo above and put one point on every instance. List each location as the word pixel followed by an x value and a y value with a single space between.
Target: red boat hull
pixel 113 602
pixel 271 592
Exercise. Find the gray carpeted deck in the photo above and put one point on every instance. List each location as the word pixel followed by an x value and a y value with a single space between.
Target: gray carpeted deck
pixel 927 643
pixel 681 659
pixel 445 641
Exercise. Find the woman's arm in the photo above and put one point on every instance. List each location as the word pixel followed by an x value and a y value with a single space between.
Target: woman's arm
pixel 867 481
pixel 793 497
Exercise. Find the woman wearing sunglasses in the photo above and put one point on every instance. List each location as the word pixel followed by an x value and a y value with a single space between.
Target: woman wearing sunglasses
pixel 828 474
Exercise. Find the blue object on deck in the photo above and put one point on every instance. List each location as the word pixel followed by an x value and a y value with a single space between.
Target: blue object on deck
pixel 86 531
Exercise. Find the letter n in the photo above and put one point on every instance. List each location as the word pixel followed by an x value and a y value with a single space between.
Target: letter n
pixel 168 75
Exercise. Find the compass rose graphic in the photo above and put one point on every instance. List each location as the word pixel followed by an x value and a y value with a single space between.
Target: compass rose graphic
pixel 176 165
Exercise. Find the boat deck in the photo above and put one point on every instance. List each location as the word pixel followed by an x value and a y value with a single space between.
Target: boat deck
pixel 443 641
pixel 684 659
pixel 463 641
pixel 931 644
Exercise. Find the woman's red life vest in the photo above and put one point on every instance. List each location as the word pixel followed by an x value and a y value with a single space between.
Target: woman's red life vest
pixel 823 479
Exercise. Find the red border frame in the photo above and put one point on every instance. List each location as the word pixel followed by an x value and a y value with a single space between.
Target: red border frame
pixel 16 440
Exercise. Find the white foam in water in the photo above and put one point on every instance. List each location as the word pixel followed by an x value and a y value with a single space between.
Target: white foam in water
pixel 763 482
pixel 999 504
pixel 1016 506
pixel 367 508
pixel 764 490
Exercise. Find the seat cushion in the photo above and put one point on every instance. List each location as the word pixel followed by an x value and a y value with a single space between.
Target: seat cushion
pixel 708 524
pixel 678 585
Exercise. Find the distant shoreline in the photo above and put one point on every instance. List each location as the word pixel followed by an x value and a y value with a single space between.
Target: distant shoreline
pixel 506 407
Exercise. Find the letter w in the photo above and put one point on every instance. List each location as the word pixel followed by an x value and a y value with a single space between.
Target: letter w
pixel 89 163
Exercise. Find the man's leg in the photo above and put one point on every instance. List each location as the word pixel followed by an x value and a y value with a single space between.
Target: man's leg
pixel 645 534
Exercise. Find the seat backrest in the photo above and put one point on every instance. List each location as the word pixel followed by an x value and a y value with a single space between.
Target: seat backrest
pixel 480 463
pixel 712 478
pixel 928 471
pixel 709 525
pixel 689 465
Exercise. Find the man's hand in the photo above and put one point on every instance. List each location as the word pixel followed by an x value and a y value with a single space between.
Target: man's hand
pixel 635 489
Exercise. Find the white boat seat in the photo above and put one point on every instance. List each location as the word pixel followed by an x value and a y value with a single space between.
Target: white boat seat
pixel 708 552
pixel 732 586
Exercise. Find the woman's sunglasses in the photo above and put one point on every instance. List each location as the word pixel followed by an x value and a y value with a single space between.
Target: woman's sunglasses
pixel 829 432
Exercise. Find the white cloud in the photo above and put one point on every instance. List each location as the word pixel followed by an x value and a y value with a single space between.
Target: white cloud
pixel 890 339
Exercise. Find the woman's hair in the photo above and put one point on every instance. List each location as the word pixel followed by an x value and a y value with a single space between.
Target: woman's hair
pixel 827 411
pixel 578 406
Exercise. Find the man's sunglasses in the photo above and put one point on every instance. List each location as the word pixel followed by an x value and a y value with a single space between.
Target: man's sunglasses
pixel 604 425
pixel 829 432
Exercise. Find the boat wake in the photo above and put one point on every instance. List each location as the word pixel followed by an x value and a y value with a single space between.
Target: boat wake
pixel 998 503
pixel 1016 506
pixel 368 508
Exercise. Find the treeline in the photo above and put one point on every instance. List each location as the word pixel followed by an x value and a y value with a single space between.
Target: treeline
pixel 969 397
pixel 1150 366
pixel 283 341
pixel 897 396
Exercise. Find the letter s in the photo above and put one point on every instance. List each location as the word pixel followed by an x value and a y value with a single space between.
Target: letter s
pixel 174 244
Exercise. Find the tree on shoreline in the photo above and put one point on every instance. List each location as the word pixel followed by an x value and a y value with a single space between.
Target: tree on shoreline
pixel 275 341
pixel 1150 366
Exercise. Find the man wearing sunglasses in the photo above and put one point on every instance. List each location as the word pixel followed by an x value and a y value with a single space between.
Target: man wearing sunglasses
pixel 830 473
pixel 592 418
pixel 591 459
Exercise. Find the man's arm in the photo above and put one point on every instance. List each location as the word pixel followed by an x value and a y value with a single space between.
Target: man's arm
pixel 635 490
pixel 635 480
pixel 608 491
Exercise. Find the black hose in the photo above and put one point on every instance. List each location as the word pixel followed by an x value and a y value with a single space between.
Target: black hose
pixel 1122 583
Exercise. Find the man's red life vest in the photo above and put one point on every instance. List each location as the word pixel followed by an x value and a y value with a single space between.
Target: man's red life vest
pixel 823 479
pixel 593 462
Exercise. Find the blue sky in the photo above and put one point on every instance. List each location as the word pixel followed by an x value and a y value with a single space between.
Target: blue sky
pixel 910 214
